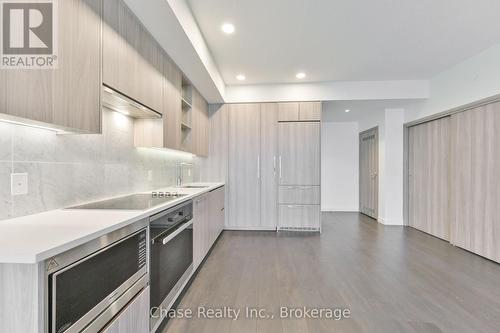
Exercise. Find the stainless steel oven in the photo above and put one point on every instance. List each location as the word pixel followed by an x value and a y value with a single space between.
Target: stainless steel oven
pixel 89 285
pixel 171 257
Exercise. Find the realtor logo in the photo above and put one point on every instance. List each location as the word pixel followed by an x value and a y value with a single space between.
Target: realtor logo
pixel 28 34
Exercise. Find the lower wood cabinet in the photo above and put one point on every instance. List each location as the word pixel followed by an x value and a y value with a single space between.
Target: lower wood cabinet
pixel 134 318
pixel 299 217
pixel 208 222
pixel 306 195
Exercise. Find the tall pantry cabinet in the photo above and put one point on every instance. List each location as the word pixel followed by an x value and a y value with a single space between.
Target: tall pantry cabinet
pixel 299 160
pixel 252 133
pixel 274 166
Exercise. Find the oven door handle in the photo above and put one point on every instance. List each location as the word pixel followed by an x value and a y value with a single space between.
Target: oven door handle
pixel 176 232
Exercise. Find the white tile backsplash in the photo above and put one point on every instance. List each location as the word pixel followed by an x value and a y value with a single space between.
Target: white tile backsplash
pixel 66 170
pixel 5 142
pixel 5 197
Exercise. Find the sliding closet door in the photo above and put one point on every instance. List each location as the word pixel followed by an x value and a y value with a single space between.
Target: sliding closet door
pixel 475 203
pixel 368 172
pixel 244 163
pixel 429 165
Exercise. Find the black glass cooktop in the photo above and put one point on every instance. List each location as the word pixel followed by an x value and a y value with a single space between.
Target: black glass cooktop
pixel 131 202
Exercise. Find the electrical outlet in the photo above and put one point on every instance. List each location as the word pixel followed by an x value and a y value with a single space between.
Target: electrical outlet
pixel 150 175
pixel 19 183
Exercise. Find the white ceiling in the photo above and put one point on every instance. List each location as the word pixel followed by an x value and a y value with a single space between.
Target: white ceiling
pixel 344 40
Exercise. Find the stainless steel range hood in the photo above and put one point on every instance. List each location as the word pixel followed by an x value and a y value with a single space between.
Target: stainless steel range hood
pixel 118 102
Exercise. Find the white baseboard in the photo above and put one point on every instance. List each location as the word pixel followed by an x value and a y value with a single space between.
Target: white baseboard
pixel 384 221
pixel 340 209
pixel 249 228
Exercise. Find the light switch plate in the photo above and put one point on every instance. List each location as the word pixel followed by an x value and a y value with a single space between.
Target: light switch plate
pixel 19 183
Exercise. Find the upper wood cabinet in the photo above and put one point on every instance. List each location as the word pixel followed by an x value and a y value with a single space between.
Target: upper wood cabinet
pixel 172 104
pixel 288 111
pixel 132 59
pixel 303 111
pixel 69 95
pixel 199 123
pixel 310 111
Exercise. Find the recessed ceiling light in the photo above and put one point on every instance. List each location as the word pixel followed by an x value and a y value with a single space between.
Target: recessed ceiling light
pixel 240 77
pixel 228 28
pixel 347 110
pixel 300 75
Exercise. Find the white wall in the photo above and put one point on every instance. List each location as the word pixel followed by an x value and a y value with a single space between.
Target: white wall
pixel 474 79
pixel 339 166
pixel 388 116
pixel 392 167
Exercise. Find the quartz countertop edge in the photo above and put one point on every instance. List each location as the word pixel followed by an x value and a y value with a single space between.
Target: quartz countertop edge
pixel 34 238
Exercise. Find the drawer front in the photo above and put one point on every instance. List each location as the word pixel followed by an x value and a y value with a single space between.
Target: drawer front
pixel 296 195
pixel 299 216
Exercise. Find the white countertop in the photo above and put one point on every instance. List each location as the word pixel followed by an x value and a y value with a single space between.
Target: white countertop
pixel 34 238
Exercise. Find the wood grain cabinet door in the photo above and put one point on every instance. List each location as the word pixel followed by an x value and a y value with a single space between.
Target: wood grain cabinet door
pixel 171 104
pixel 269 165
pixel 244 166
pixel 132 59
pixel 288 111
pixel 310 111
pixel 134 318
pixel 299 153
pixel 69 95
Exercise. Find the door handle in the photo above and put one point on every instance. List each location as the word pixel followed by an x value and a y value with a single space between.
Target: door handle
pixel 258 166
pixel 280 165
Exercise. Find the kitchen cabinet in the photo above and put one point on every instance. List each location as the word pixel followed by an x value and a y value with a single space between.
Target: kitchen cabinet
pixel 199 124
pixel 216 213
pixel 268 165
pixel 299 150
pixel 309 195
pixel 309 111
pixel 302 111
pixel 288 111
pixel 132 60
pixel 299 153
pixel 300 217
pixel 67 97
pixel 244 166
pixel 200 229
pixel 133 318
pixel 172 83
pixel 208 222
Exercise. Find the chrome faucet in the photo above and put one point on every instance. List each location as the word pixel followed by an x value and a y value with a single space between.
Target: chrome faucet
pixel 179 172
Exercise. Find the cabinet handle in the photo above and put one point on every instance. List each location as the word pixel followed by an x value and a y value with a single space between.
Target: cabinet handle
pixel 280 165
pixel 258 166
pixel 274 164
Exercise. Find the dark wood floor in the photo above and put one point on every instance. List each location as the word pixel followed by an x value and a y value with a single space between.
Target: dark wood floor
pixel 393 279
